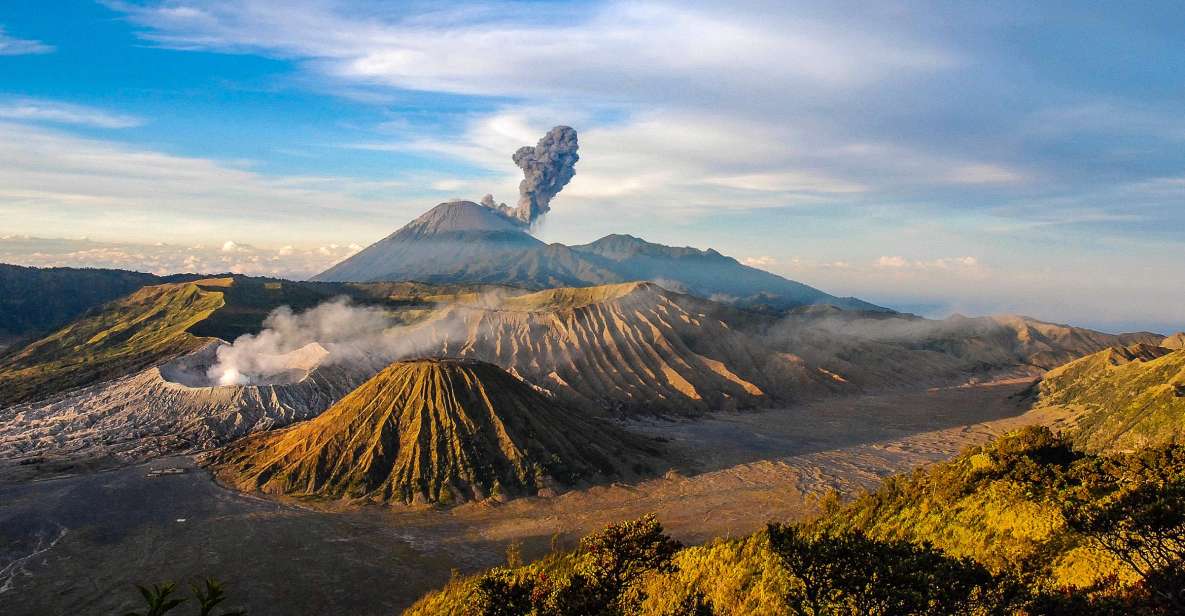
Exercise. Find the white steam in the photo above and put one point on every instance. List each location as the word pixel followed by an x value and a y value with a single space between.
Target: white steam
pixel 291 344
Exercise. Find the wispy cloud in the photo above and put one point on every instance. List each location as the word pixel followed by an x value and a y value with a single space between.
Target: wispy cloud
pixel 12 46
pixel 54 180
pixel 35 110
pixel 497 49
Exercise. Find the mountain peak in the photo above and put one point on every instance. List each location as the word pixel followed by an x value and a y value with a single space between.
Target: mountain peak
pixel 461 216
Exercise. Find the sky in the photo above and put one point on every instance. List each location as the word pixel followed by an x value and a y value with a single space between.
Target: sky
pixel 936 157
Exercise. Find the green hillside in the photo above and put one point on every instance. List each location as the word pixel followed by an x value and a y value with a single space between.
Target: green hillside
pixel 123 336
pixel 35 301
pixel 1121 399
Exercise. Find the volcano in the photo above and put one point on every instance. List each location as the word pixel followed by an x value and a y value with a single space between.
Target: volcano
pixel 467 242
pixel 435 431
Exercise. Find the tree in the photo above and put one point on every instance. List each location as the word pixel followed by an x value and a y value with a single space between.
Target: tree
pixel 1133 508
pixel 602 581
pixel 849 573
pixel 159 598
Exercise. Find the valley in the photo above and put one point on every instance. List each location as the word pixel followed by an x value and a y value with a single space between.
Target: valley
pixel 732 472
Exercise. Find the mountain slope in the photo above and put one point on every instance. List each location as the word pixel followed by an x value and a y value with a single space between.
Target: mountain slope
pixel 628 347
pixel 35 301
pixel 1121 398
pixel 709 274
pixel 433 431
pixel 162 411
pixel 1175 341
pixel 462 241
pixel 878 351
pixel 129 334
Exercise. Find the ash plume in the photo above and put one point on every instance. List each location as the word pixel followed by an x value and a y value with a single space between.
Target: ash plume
pixel 547 168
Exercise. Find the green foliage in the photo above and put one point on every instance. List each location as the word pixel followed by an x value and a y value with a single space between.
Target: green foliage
pixel 159 599
pixel 1133 507
pixel 849 573
pixel 603 579
pixel 35 301
pixel 140 330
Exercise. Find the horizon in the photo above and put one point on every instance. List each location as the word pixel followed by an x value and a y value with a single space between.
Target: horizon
pixel 1003 159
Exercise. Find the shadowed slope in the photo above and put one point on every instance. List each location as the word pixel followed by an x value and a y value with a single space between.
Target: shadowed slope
pixel 434 431
pixel 1123 398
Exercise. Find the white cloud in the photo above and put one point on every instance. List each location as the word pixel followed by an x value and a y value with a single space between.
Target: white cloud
pixel 12 46
pixel 983 174
pixel 34 110
pixel 942 263
pixel 496 49
pixel 764 261
pixel 162 258
pixel 677 130
pixel 54 180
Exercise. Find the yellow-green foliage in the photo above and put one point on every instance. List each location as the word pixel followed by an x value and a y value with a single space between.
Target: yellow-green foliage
pixel 984 505
pixel 123 336
pixel 996 504
pixel 737 576
pixel 1128 398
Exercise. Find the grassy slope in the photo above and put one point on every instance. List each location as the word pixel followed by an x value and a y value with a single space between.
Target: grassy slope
pixel 35 301
pixel 981 505
pixel 123 336
pixel 1124 399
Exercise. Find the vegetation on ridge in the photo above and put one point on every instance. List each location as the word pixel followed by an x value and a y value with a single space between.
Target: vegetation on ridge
pixel 1122 399
pixel 1022 525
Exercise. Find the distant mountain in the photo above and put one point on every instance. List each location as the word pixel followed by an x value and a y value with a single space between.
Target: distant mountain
pixel 708 274
pixel 1175 341
pixel 436 431
pixel 876 351
pixel 462 241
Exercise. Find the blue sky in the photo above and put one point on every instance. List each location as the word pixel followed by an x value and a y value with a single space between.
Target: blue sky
pixel 1002 157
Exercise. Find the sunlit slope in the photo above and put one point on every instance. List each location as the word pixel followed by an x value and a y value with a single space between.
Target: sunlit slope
pixel 1122 398
pixel 140 330
pixel 435 431
pixel 627 347
pixel 36 301
pixel 997 504
pixel 983 505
